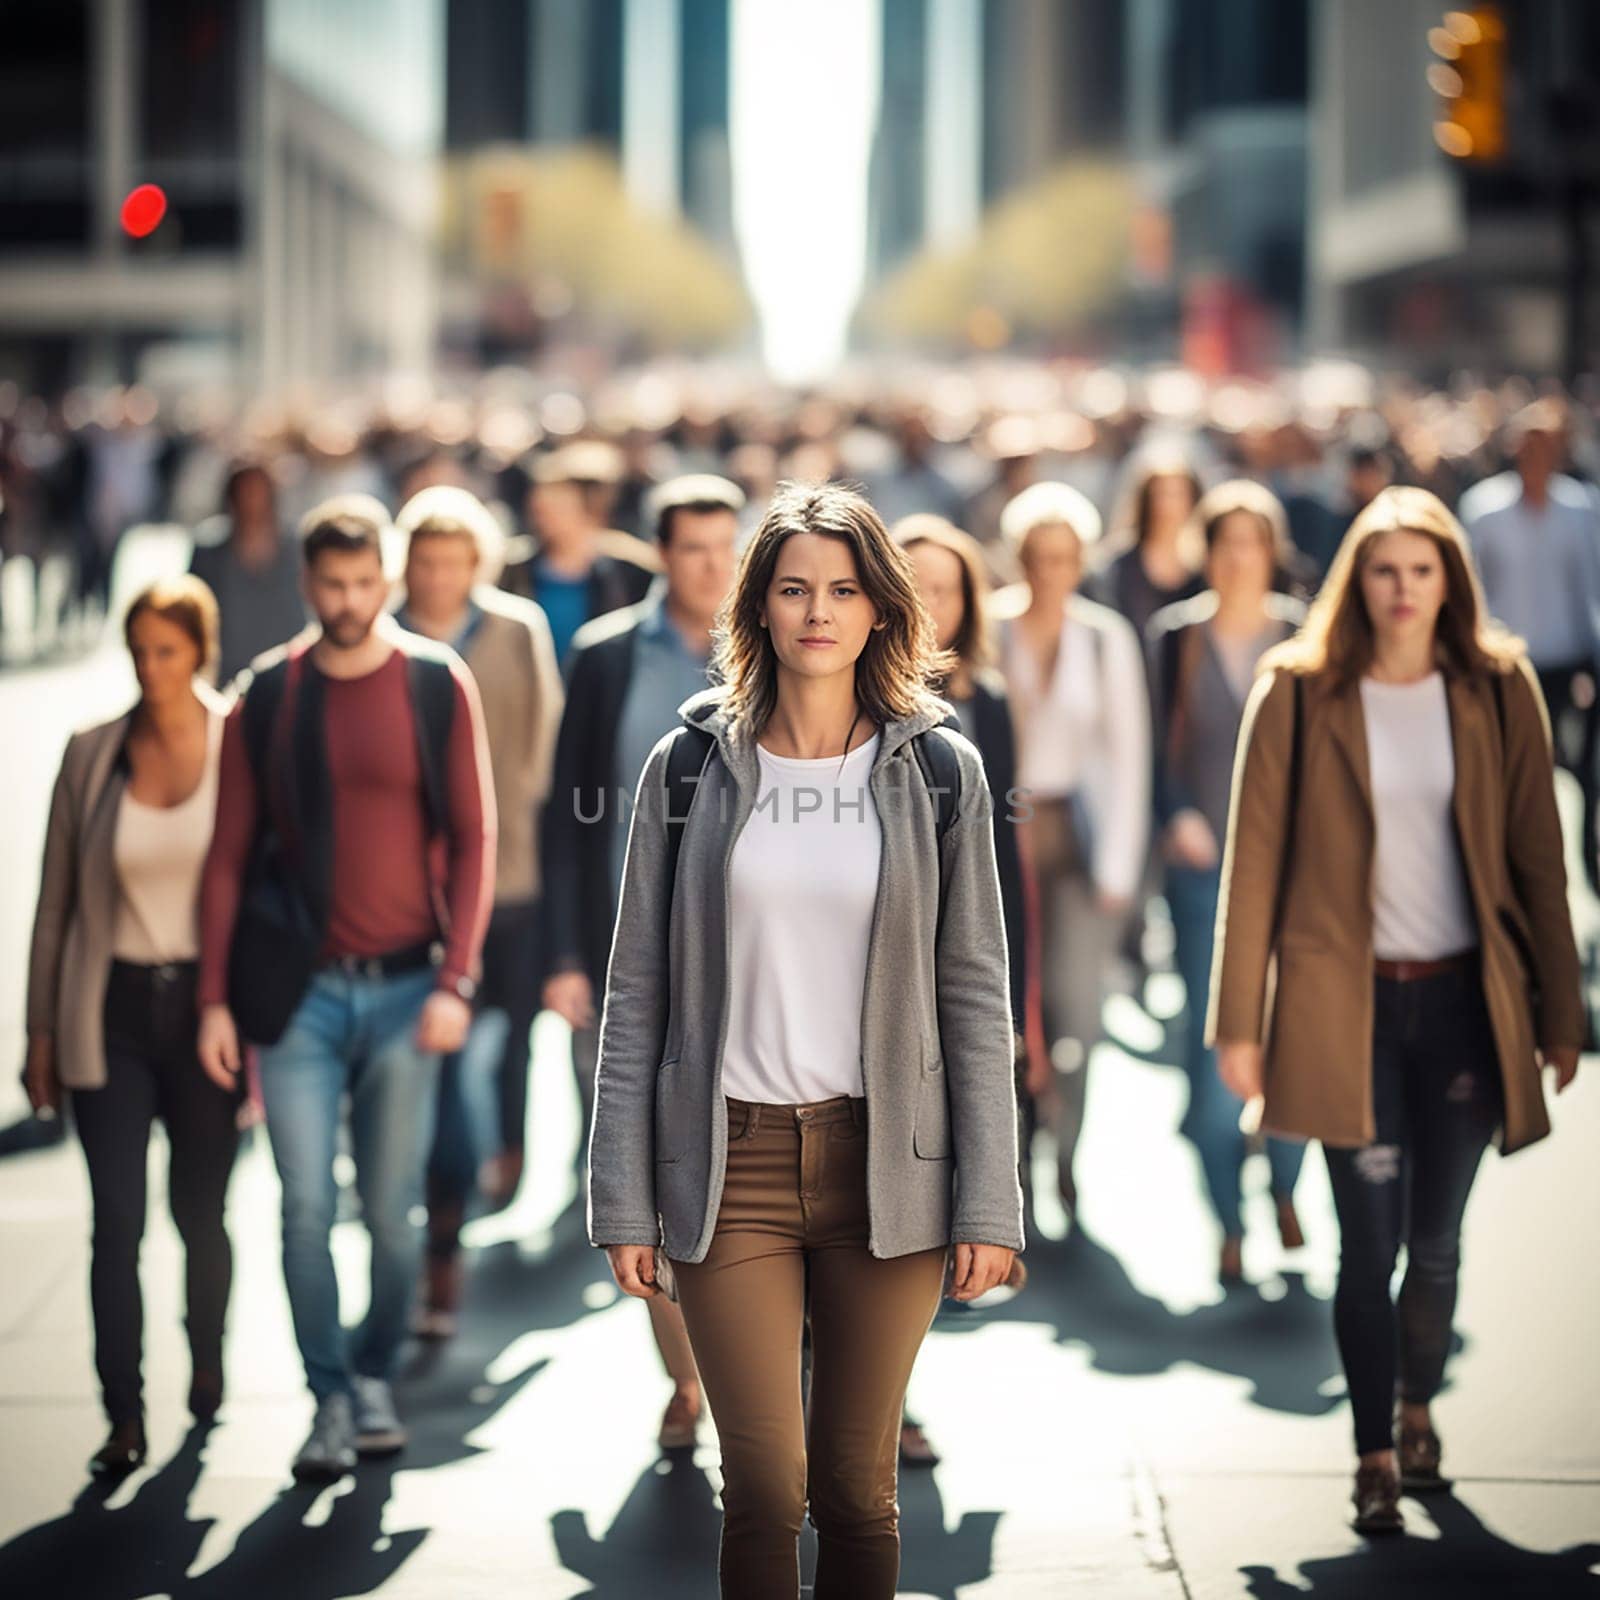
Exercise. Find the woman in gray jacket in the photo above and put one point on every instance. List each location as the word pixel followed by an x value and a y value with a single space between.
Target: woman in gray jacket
pixel 807 1036
pixel 111 994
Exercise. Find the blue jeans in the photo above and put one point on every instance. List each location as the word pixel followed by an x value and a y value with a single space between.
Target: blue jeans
pixel 1212 1121
pixel 355 1036
pixel 468 1130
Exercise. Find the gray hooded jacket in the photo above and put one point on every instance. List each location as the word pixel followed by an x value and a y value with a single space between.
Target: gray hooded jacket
pixel 936 1038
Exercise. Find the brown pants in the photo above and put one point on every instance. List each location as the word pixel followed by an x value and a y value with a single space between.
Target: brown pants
pixel 791 1241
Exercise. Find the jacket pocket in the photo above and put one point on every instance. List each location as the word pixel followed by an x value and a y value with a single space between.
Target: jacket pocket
pixel 669 1115
pixel 931 1135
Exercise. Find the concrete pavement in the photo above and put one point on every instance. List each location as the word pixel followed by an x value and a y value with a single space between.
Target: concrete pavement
pixel 1119 1429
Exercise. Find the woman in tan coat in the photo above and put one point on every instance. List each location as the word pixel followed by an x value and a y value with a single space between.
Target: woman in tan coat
pixel 1396 959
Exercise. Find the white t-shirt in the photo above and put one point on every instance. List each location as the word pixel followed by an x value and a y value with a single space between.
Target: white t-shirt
pixel 1087 728
pixel 803 884
pixel 1421 910
pixel 158 852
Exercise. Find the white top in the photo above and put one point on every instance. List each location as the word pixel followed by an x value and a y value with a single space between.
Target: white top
pixel 803 884
pixel 1421 910
pixel 159 852
pixel 1088 729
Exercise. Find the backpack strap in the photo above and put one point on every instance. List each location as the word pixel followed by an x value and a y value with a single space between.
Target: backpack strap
pixel 264 696
pixel 433 702
pixel 688 756
pixel 941 772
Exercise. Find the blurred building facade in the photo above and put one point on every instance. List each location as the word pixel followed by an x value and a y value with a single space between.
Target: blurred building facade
pixel 1201 107
pixel 293 142
pixel 1219 94
pixel 646 81
pixel 979 99
pixel 1478 259
pixel 587 145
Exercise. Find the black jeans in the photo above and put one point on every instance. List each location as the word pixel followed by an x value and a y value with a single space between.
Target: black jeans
pixel 483 1105
pixel 512 975
pixel 1437 1102
pixel 151 1071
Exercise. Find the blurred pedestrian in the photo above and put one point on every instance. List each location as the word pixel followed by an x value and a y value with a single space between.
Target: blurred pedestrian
pixel 453 546
pixel 797 1063
pixel 1077 682
pixel 577 568
pixel 915 484
pixel 344 903
pixel 954 586
pixel 1536 534
pixel 1148 560
pixel 1203 655
pixel 1012 446
pixel 1395 849
pixel 120 486
pixel 111 995
pixel 253 568
pixel 630 672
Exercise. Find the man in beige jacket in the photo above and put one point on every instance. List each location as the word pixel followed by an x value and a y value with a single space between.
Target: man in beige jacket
pixel 453 546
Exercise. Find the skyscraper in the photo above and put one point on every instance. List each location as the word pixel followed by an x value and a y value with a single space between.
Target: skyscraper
pixel 646 80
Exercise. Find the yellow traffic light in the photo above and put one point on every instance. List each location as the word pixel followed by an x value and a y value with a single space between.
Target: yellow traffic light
pixel 1470 80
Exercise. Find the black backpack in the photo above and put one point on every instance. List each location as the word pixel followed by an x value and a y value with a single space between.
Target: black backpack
pixel 278 934
pixel 691 748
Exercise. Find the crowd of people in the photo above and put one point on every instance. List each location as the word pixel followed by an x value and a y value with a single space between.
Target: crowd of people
pixel 541 709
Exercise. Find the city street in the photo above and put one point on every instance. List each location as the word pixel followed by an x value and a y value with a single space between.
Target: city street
pixel 1118 1429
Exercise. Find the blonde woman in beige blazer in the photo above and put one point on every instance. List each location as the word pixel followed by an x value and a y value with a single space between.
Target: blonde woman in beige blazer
pixel 1396 961
pixel 111 994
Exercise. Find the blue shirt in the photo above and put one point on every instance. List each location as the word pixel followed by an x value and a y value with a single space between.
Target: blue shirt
pixel 464 636
pixel 665 673
pixel 1540 565
pixel 566 605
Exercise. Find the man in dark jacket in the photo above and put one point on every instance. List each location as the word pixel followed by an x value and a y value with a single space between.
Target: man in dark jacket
pixel 574 566
pixel 626 677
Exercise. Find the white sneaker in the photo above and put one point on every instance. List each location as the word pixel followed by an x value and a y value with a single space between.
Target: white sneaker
pixel 329 1451
pixel 379 1430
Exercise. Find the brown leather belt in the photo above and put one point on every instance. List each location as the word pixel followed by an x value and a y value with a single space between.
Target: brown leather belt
pixel 1410 971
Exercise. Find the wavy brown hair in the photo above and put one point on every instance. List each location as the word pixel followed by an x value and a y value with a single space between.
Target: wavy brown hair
pixel 901 664
pixel 1337 638
pixel 973 645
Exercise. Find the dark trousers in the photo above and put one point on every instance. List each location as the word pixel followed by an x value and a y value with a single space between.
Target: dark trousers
pixel 1576 731
pixel 152 1071
pixel 512 975
pixel 485 1084
pixel 1437 1102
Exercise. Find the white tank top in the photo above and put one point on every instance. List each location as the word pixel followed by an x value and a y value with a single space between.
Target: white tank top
pixel 803 885
pixel 159 853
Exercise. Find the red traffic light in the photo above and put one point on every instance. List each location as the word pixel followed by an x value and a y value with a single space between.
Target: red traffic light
pixel 143 210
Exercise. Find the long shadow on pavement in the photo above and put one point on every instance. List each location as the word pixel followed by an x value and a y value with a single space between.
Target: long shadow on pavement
pixel 146 1546
pixel 1465 1562
pixel 141 1548
pixel 663 1541
pixel 1284 1348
